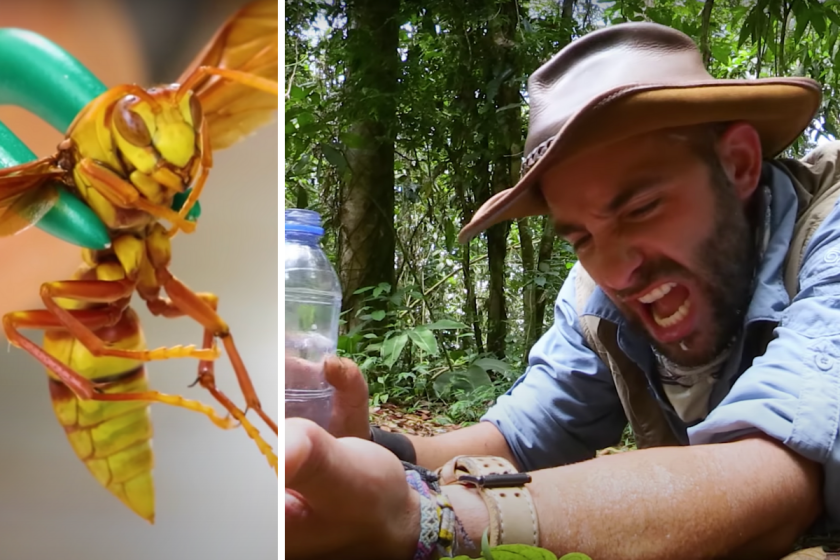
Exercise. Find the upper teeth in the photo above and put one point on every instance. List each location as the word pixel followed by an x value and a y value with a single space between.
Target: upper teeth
pixel 657 293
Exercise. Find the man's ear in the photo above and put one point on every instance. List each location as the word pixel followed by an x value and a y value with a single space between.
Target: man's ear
pixel 739 150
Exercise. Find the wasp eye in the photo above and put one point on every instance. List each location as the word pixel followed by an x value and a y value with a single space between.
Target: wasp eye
pixel 196 111
pixel 130 125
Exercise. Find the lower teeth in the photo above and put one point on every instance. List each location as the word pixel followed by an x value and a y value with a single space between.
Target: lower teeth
pixel 675 317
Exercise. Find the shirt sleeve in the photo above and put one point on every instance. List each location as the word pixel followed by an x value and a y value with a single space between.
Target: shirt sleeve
pixel 565 406
pixel 792 391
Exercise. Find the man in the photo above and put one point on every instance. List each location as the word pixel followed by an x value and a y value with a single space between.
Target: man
pixel 704 309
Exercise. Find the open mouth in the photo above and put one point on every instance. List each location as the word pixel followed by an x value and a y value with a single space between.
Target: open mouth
pixel 667 311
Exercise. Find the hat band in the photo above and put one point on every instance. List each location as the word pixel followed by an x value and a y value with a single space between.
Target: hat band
pixel 535 155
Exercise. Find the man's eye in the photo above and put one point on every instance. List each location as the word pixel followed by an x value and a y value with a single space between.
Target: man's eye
pixel 644 210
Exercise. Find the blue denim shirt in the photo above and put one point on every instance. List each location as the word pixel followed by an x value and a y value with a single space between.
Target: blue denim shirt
pixel 565 406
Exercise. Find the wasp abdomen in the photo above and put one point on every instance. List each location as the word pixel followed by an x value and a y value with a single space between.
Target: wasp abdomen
pixel 112 439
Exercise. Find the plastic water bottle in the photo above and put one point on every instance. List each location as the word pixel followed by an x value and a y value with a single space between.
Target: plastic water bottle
pixel 313 305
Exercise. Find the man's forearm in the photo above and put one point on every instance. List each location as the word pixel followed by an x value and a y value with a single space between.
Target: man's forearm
pixel 747 499
pixel 480 439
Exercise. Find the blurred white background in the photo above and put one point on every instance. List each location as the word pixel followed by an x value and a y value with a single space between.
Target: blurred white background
pixel 216 497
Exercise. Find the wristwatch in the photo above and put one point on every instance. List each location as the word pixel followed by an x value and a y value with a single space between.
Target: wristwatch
pixel 513 518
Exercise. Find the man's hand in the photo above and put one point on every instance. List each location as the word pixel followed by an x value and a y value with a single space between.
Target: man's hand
pixel 346 498
pixel 350 417
pixel 350 398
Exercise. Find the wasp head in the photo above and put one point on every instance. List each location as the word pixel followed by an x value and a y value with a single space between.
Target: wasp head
pixel 164 126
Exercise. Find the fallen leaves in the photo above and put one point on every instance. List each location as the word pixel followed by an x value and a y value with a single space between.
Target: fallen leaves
pixel 419 422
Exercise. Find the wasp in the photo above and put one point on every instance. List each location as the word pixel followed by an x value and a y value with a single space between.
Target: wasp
pixel 134 158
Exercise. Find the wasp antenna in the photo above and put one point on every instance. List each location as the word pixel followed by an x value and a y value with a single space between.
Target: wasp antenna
pixel 141 93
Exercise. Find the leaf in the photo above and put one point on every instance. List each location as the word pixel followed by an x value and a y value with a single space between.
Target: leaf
pixel 477 376
pixel 445 324
pixel 377 315
pixel 519 552
pixel 353 140
pixel 833 16
pixel 305 118
pixel 495 83
pixel 801 24
pixel 334 156
pixel 721 53
pixel 449 234
pixel 424 339
pixel 818 21
pixel 392 348
pixel 748 28
pixel 522 552
pixel 367 364
pixel 297 93
pixel 382 287
pixel 450 380
pixel 488 364
pixel 485 545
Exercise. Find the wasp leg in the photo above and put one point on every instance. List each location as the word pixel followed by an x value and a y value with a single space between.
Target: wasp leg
pixel 162 307
pixel 108 291
pixel 85 389
pixel 202 312
pixel 123 194
pixel 206 165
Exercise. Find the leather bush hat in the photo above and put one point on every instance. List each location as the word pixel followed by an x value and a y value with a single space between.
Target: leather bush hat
pixel 630 79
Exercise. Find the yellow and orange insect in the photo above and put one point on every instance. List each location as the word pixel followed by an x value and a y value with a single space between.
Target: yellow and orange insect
pixel 127 156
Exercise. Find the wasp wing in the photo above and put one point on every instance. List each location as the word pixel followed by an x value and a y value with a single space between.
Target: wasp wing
pixel 247 42
pixel 26 194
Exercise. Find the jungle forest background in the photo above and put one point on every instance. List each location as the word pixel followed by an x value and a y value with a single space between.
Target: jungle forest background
pixel 404 116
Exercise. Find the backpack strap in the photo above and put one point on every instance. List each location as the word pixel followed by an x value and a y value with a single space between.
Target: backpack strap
pixel 816 178
pixel 648 422
pixel 584 288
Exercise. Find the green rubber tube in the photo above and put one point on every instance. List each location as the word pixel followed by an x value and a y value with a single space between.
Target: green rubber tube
pixel 41 77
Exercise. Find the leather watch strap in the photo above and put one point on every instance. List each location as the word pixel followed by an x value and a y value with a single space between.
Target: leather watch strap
pixel 513 518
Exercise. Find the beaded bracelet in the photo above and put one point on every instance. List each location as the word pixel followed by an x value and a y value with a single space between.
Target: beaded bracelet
pixel 437 518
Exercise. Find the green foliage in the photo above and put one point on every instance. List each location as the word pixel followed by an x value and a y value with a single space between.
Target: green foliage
pixel 421 363
pixel 461 118
pixel 518 552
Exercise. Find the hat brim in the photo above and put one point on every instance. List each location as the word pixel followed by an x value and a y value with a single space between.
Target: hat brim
pixel 780 109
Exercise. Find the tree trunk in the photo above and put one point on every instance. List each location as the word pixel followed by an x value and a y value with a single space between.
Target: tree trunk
pixel 706 18
pixel 541 301
pixel 471 310
pixel 526 250
pixel 506 143
pixel 366 212
pixel 568 10
pixel 535 302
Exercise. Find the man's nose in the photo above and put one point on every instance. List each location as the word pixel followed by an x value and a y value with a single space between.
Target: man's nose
pixel 615 265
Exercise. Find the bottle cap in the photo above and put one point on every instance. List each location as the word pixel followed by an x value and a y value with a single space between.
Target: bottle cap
pixel 303 221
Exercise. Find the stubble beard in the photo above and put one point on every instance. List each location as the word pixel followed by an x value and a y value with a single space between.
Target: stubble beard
pixel 724 271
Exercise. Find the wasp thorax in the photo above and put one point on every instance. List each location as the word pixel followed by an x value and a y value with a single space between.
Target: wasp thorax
pixel 130 125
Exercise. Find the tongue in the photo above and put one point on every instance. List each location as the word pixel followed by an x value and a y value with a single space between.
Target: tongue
pixel 670 302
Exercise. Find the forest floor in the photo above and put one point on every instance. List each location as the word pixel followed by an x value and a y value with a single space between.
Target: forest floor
pixel 393 418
